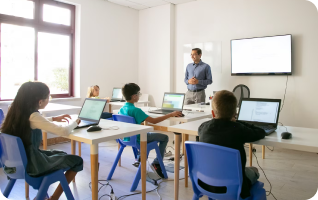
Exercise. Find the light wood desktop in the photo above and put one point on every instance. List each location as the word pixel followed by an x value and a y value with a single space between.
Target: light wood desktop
pixel 94 138
pixel 304 139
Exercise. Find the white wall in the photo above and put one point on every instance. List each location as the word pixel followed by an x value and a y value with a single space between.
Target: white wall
pixel 215 20
pixel 156 45
pixel 106 49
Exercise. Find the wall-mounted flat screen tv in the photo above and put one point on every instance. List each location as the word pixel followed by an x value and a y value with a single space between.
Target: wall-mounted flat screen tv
pixel 270 55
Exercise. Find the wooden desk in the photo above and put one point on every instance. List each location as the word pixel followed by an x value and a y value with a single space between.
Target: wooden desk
pixel 304 139
pixel 94 138
pixel 53 108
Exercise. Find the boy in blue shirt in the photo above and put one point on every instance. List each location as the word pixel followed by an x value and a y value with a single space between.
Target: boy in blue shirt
pixel 131 92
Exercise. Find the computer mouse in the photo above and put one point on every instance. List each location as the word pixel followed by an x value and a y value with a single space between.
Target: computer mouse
pixel 286 135
pixel 94 128
pixel 182 115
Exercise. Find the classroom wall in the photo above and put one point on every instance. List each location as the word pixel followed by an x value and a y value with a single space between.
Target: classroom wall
pixel 106 48
pixel 215 20
pixel 156 52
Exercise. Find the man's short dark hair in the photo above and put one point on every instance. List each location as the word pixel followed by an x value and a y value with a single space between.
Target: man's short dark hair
pixel 130 89
pixel 224 104
pixel 199 51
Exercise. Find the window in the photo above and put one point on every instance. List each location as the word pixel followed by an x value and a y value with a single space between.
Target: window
pixel 36 44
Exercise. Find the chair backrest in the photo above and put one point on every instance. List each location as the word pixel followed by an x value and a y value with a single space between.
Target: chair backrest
pixel 241 91
pixel 1 116
pixel 13 155
pixel 127 119
pixel 218 170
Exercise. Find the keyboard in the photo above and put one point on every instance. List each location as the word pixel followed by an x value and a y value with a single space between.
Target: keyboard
pixel 85 123
pixel 113 100
pixel 160 111
pixel 268 129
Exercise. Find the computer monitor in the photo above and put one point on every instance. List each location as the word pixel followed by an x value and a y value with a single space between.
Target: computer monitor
pixel 173 101
pixel 117 94
pixel 92 109
pixel 260 110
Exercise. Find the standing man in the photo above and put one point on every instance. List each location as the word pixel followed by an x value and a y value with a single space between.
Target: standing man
pixel 197 77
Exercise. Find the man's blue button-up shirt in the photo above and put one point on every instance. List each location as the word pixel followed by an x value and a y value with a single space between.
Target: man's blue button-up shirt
pixel 200 71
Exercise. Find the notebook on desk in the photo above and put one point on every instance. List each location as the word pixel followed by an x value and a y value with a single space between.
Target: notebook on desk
pixel 91 111
pixel 117 95
pixel 262 113
pixel 171 102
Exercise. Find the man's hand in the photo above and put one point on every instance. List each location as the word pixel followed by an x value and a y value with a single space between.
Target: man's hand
pixel 176 114
pixel 193 81
pixel 62 118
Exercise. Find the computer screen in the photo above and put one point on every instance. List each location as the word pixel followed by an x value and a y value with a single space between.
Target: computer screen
pixel 262 56
pixel 173 101
pixel 92 109
pixel 259 111
pixel 117 94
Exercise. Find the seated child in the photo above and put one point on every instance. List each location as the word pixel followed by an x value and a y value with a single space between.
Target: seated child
pixel 225 131
pixel 24 121
pixel 131 92
pixel 93 92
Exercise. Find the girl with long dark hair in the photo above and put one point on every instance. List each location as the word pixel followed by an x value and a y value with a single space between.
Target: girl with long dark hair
pixel 24 120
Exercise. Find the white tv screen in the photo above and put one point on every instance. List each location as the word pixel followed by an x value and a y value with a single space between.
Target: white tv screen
pixel 262 56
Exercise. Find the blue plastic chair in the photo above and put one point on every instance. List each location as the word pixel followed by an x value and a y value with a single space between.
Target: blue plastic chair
pixel 12 154
pixel 1 116
pixel 213 165
pixel 135 146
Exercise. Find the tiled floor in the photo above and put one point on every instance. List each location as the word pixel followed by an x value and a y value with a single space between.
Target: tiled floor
pixel 293 175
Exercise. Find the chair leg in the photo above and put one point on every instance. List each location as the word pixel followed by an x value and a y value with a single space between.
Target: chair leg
pixel 115 163
pixel 195 197
pixel 138 175
pixel 135 152
pixel 66 188
pixel 42 192
pixel 160 160
pixel 9 187
pixel 136 180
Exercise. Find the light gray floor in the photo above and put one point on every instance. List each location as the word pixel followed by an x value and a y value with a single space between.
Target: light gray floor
pixel 293 175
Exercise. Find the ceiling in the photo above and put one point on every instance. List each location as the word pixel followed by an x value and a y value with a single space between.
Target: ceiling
pixel 143 4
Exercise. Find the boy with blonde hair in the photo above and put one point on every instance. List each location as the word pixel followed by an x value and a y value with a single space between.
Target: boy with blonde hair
pixel 225 131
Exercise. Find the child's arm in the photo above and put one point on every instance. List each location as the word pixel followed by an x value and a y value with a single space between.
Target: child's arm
pixel 37 121
pixel 160 119
pixel 251 133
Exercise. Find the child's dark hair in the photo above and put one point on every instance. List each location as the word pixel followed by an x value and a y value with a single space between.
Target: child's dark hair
pixel 25 103
pixel 224 104
pixel 130 89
